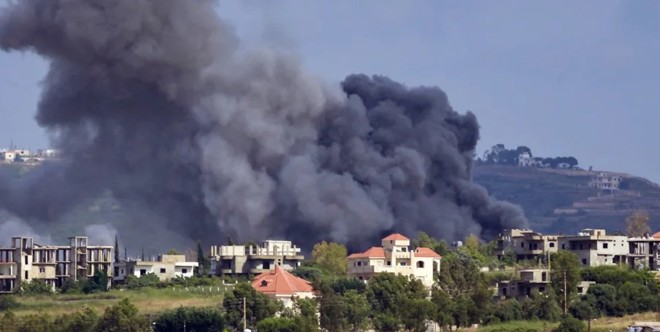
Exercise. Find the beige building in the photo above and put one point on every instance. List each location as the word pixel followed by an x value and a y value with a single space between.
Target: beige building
pixel 606 181
pixel 528 281
pixel 253 259
pixel 526 244
pixel 595 248
pixel 395 257
pixel 165 267
pixel 25 261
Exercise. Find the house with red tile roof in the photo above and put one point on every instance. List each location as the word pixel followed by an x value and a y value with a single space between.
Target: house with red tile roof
pixel 281 285
pixel 394 256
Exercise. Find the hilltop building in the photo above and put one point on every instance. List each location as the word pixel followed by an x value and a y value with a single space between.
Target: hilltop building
pixel 281 285
pixel 25 261
pixel 165 267
pixel 254 259
pixel 394 256
pixel 605 181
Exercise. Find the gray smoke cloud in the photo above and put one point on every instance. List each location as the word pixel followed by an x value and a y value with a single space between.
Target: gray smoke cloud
pixel 158 103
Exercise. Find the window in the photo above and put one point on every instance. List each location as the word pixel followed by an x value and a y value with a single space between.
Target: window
pixel 552 244
pixel 522 244
pixel 143 272
pixel 27 276
pixel 604 245
pixel 264 283
pixel 420 264
pixel 584 261
pixel 184 271
pixel 26 260
pixel 544 276
pixel 266 265
pixel 42 270
pixel 389 263
pixel 162 270
pixel 359 263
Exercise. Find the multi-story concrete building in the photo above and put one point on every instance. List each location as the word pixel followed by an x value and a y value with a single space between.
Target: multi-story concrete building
pixel 605 181
pixel 25 261
pixel 395 257
pixel 530 280
pixel 594 247
pixel 165 267
pixel 526 244
pixel 644 252
pixel 253 259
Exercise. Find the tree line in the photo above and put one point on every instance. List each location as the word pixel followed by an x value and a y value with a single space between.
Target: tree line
pixel 498 154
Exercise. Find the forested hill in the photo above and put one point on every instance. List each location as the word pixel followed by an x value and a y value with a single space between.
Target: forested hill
pixel 562 200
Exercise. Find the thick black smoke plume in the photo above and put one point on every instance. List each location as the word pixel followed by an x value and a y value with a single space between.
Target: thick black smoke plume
pixel 157 103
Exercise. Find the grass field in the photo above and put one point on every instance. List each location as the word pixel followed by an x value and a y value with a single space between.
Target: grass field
pixel 148 300
pixel 604 324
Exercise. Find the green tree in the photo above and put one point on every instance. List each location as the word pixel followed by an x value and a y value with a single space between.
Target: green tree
pixel 194 320
pixel 278 324
pixel 117 257
pixel 331 257
pixel 357 310
pixel 605 298
pixel 415 314
pixel 97 283
pixel 202 260
pixel 83 321
pixel 426 241
pixel 637 224
pixel 258 305
pixel 388 294
pixel 571 324
pixel 565 274
pixel 122 317
pixel 444 307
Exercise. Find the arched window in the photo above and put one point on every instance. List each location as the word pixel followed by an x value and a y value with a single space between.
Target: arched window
pixel 420 264
pixel 264 283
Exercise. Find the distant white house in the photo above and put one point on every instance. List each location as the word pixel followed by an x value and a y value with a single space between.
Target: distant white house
pixel 605 181
pixel 7 156
pixel 525 159
pixel 165 267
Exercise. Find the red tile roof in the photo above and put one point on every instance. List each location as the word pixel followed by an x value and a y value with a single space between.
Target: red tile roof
pixel 656 235
pixel 396 237
pixel 373 252
pixel 280 282
pixel 426 252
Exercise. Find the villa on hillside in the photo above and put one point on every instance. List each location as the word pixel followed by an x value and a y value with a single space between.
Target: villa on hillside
pixel 395 256
pixel 281 285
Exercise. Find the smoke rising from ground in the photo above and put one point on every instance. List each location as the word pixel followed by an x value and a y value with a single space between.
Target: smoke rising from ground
pixel 157 102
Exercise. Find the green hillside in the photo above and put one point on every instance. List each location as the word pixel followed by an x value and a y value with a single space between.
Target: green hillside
pixel 561 201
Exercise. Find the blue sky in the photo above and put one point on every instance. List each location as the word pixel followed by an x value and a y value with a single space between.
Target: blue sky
pixel 563 77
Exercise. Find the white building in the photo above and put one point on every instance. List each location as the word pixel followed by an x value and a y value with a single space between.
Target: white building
pixel 8 156
pixel 48 153
pixel 249 259
pixel 395 257
pixel 605 181
pixel 165 267
pixel 594 247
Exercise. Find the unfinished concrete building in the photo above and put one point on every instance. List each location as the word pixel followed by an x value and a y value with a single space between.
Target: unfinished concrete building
pixel 526 244
pixel 25 261
pixel 254 259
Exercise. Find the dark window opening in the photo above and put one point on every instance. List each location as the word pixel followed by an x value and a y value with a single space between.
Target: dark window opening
pixel 162 270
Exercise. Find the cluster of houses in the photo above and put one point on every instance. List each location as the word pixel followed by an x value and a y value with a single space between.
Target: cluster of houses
pixel 271 262
pixel 24 155
pixel 593 247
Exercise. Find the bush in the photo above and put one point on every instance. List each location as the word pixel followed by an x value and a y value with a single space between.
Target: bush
pixel 8 302
pixel 571 324
pixel 35 287
pixel 278 324
pixel 195 319
pixel 147 280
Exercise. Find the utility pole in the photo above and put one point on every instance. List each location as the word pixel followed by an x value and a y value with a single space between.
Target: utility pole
pixel 244 315
pixel 565 292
